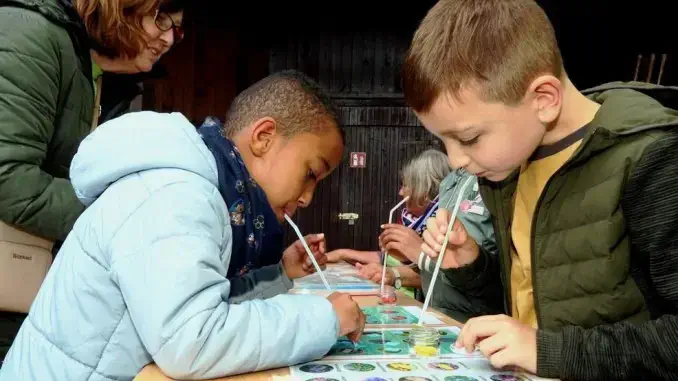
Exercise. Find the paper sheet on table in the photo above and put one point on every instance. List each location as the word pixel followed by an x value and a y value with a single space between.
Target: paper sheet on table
pixel 429 318
pixel 406 369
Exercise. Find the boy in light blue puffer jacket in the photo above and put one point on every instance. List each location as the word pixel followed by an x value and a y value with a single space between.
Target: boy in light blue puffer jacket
pixel 146 274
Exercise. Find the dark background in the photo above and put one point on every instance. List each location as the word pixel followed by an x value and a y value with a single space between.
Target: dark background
pixel 354 48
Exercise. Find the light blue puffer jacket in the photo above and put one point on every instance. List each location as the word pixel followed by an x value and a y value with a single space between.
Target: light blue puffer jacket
pixel 142 276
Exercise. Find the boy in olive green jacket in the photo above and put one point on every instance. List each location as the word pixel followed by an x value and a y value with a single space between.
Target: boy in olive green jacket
pixel 581 186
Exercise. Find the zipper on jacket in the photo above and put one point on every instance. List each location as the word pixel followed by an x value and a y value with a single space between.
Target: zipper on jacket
pixel 496 218
pixel 506 274
pixel 503 262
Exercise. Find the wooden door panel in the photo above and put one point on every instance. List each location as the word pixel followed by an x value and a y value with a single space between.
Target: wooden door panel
pixel 370 192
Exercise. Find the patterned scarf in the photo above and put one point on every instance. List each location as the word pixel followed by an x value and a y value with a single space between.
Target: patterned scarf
pixel 257 234
pixel 418 224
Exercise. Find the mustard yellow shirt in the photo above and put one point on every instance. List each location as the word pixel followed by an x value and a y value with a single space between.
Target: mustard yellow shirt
pixel 531 183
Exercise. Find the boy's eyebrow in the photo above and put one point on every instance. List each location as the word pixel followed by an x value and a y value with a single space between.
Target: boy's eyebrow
pixel 454 134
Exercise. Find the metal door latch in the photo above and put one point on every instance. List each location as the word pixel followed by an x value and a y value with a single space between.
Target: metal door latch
pixel 351 217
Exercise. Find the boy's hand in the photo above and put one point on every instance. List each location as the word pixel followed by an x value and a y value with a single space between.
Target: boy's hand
pixel 351 318
pixel 402 239
pixel 296 262
pixel 461 249
pixel 504 341
pixel 372 271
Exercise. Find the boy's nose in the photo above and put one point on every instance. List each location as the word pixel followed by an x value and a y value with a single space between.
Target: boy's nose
pixel 306 198
pixel 456 157
pixel 460 163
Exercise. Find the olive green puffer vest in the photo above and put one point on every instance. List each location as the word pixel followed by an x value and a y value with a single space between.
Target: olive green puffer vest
pixel 581 257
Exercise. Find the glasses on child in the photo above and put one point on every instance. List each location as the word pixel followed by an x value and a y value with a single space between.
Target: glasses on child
pixel 164 22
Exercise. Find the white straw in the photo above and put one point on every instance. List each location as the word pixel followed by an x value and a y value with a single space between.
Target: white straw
pixel 308 251
pixel 442 251
pixel 390 221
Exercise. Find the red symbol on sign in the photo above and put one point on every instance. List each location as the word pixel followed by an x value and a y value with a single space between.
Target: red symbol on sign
pixel 358 159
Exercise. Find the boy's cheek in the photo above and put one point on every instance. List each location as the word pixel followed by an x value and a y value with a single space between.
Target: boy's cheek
pixel 269 191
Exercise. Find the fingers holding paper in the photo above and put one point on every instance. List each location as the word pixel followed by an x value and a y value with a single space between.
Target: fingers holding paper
pixel 504 341
pixel 357 333
pixel 351 317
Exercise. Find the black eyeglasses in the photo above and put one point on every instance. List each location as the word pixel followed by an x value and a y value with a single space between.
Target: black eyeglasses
pixel 164 22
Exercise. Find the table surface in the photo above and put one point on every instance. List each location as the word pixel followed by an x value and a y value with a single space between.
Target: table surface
pixel 152 373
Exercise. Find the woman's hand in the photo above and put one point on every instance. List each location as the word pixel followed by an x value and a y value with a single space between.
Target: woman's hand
pixel 401 241
pixel 373 272
pixel 353 256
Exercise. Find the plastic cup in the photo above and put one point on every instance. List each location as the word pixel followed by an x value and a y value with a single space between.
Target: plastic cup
pixel 425 342
pixel 388 297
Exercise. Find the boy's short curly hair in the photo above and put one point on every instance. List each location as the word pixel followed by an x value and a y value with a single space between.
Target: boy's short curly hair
pixel 115 26
pixel 495 46
pixel 294 100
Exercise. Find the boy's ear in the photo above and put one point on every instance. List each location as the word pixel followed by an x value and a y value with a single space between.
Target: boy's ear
pixel 547 97
pixel 264 133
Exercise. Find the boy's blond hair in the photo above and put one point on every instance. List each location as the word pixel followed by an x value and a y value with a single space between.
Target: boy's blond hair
pixel 497 47
pixel 423 175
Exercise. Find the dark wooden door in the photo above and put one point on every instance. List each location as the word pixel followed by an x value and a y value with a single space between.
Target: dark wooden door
pixel 355 49
pixel 389 135
pixel 362 72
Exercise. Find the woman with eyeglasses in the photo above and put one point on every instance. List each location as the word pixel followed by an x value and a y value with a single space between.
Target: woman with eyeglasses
pixel 52 56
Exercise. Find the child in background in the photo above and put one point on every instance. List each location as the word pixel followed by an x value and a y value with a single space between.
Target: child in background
pixel 428 177
pixel 460 303
pixel 143 276
pixel 420 180
pixel 470 299
pixel 581 187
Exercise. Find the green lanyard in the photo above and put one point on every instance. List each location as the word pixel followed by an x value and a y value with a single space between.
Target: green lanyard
pixel 96 73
